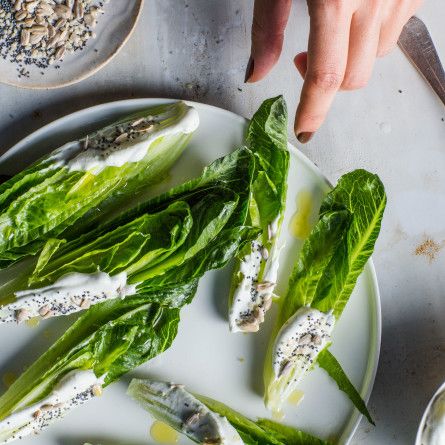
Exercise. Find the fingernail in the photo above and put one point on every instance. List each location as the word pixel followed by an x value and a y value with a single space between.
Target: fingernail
pixel 249 69
pixel 305 136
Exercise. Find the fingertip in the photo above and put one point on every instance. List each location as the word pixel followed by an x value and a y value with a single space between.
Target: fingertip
pixel 305 136
pixel 300 62
pixel 249 70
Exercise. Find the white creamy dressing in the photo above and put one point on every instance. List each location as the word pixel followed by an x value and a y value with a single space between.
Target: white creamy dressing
pixel 187 414
pixel 70 293
pixel 98 156
pixel 253 295
pixel 434 428
pixel 298 344
pixel 74 389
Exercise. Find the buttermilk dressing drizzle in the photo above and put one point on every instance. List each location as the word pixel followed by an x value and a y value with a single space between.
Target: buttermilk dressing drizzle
pixel 74 389
pixel 297 346
pixel 71 293
pixel 130 141
pixel 253 295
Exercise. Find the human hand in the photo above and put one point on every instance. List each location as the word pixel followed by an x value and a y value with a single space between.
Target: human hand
pixel 345 38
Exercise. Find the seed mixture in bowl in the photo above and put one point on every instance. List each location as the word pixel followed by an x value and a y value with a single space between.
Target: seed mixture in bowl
pixel 42 32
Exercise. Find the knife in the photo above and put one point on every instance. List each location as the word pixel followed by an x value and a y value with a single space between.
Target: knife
pixel 417 44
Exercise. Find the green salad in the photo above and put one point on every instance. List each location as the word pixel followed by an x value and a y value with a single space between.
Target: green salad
pixel 130 274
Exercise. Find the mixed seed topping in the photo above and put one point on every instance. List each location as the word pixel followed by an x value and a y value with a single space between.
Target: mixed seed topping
pixel 260 292
pixel 111 138
pixel 42 32
pixel 53 408
pixel 64 298
pixel 300 341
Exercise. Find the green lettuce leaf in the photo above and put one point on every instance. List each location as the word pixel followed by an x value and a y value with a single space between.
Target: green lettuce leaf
pixel 267 139
pixel 55 196
pixel 326 271
pixel 331 365
pixel 363 195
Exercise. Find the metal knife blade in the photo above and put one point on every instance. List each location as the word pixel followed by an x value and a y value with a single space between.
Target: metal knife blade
pixel 416 42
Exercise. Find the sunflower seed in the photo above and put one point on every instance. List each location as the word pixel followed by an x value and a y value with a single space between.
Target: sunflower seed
pixel 137 122
pixel 53 40
pixel 44 310
pixel 31 5
pixel 29 22
pixel 249 325
pixel 85 303
pixel 316 339
pixel 45 9
pixel 46 407
pixel 96 390
pixel 285 368
pixel 18 5
pixel 20 15
pixel 24 37
pixel 193 418
pixel 121 138
pixel 37 414
pixel 60 52
pixel 51 31
pixel 267 302
pixel 49 314
pixel 78 9
pixel 305 339
pixel 22 315
pixel 265 285
pixel 60 23
pixel 146 128
pixel 89 19
pixel 258 313
pixel 62 11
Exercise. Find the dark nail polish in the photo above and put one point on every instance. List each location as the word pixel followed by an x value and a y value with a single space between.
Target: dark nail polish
pixel 305 136
pixel 249 69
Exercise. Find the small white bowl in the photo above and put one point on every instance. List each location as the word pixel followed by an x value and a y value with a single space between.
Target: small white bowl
pixel 113 30
pixel 425 414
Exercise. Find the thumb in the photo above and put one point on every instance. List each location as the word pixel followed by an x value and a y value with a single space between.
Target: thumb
pixel 269 22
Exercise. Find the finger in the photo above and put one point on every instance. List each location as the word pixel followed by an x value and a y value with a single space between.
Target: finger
pixel 397 15
pixel 326 64
pixel 269 22
pixel 300 62
pixel 363 44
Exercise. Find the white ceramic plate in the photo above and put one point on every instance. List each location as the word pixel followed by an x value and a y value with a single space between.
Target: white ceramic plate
pixel 205 356
pixel 113 30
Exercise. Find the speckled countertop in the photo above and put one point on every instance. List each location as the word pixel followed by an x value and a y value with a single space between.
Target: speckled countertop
pixel 197 49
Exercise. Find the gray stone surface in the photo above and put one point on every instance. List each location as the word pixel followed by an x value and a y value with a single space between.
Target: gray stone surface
pixel 198 49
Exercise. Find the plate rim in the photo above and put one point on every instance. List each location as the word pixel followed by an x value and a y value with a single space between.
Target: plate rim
pixel 87 73
pixel 352 423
